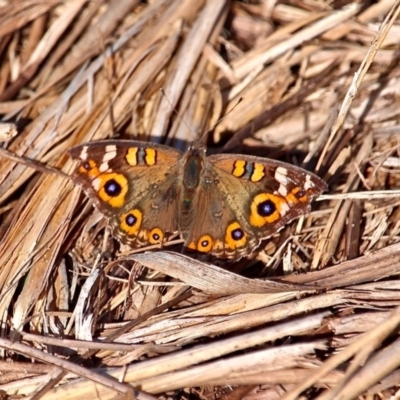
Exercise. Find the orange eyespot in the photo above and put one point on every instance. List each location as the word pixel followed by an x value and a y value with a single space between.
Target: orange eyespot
pixel 112 188
pixel 205 243
pixel 235 236
pixel 87 166
pixel 156 236
pixel 266 208
pixel 131 222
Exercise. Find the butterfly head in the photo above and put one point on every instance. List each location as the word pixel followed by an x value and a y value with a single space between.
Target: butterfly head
pixel 197 148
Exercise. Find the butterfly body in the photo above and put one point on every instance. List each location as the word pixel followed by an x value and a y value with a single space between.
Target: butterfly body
pixel 222 205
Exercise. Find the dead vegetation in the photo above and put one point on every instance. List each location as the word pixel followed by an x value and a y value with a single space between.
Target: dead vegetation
pixel 315 314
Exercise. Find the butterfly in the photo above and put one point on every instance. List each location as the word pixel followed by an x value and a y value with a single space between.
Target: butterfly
pixel 223 205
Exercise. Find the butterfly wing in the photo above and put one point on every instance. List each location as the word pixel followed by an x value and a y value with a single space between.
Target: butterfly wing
pixel 246 199
pixel 213 222
pixel 134 184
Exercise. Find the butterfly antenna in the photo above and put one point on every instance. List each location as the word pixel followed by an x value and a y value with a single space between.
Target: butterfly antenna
pixel 108 71
pixel 221 119
pixel 175 110
pixel 188 127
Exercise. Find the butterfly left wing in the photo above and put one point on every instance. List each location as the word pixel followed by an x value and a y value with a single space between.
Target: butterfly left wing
pixel 134 184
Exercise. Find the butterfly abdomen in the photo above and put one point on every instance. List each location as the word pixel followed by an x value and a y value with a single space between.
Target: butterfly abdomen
pixel 192 167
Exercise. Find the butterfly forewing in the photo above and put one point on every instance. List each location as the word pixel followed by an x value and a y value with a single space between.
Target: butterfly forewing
pixel 265 194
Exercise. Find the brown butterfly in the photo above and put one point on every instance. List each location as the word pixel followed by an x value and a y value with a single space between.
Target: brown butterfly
pixel 222 205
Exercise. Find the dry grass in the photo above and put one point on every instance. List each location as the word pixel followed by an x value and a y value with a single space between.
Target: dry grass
pixel 315 314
